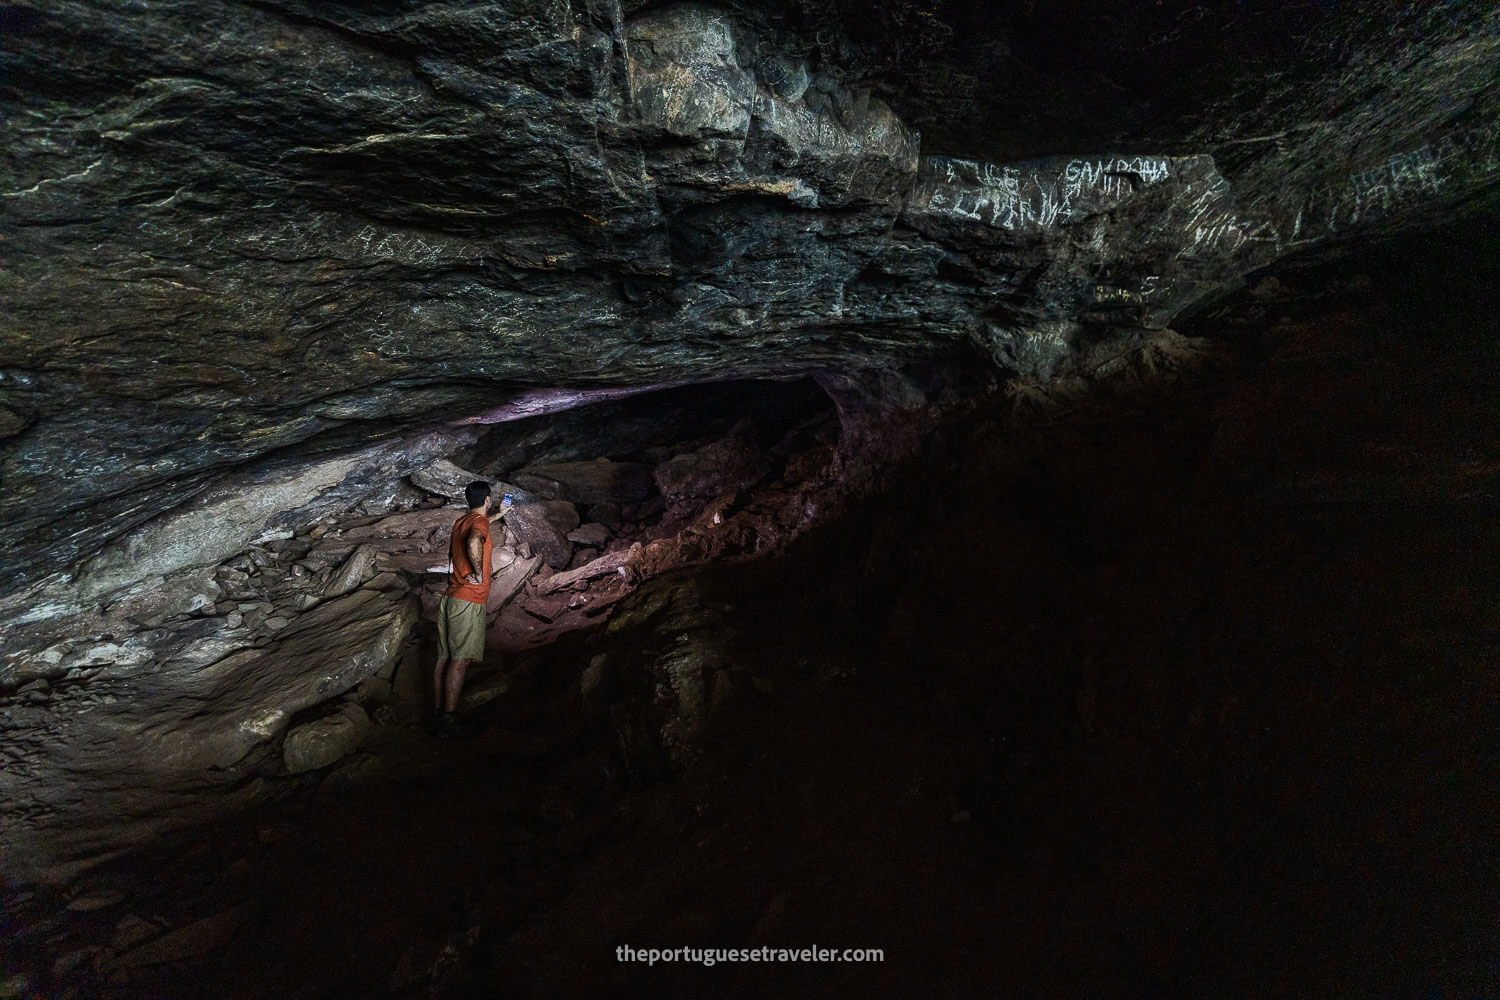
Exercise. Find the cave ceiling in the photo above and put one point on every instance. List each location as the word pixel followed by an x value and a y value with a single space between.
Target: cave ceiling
pixel 232 234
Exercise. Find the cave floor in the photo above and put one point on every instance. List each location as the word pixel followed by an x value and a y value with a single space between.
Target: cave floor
pixel 988 841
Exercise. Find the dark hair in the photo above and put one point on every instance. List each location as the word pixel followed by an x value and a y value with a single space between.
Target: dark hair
pixel 475 493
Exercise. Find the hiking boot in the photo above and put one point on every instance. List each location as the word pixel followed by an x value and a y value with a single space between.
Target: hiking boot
pixel 456 728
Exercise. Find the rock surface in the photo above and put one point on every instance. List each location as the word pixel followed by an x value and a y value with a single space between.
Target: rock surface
pixel 509 579
pixel 599 481
pixel 355 570
pixel 717 468
pixel 137 745
pixel 589 534
pixel 673 644
pixel 165 707
pixel 317 744
pixel 544 527
pixel 1080 641
pixel 237 229
pixel 443 478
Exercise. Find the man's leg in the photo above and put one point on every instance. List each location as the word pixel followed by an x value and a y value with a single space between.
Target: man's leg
pixel 466 634
pixel 440 669
pixel 454 684
pixel 437 683
pixel 461 638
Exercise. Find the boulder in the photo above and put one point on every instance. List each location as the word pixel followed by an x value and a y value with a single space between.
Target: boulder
pixel 184 725
pixel 413 524
pixel 598 684
pixel 416 563
pixel 510 578
pixel 594 535
pixel 599 481
pixel 318 744
pixel 197 938
pixel 386 581
pixel 610 562
pixel 721 467
pixel 359 567
pixel 608 514
pixel 544 526
pixel 561 514
pixel 447 480
pixel 674 642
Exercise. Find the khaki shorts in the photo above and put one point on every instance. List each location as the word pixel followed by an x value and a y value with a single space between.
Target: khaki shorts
pixel 460 629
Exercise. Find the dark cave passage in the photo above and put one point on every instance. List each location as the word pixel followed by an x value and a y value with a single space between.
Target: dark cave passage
pixel 1175 681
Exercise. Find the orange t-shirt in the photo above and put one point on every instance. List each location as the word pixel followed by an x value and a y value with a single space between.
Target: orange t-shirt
pixel 458 552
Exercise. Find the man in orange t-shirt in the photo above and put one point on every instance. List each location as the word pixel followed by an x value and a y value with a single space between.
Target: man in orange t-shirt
pixel 460 612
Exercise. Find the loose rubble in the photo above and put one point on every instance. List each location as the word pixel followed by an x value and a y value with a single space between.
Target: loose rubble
pixel 200 681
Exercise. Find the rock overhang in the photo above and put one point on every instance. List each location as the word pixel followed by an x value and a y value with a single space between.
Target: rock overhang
pixel 242 233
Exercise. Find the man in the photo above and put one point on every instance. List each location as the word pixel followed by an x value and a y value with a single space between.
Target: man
pixel 460 612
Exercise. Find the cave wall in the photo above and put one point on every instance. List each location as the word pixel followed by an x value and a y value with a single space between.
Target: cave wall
pixel 238 232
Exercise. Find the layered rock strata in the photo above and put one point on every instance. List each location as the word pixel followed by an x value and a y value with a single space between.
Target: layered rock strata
pixel 237 231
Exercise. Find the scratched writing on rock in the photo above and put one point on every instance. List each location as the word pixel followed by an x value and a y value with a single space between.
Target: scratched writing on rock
pixel 1403 175
pixel 807 130
pixel 411 248
pixel 1150 286
pixel 1007 197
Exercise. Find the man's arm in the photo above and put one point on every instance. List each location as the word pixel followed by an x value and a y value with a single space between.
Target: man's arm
pixel 474 546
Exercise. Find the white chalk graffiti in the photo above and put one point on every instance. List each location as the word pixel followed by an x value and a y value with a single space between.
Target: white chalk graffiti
pixel 1009 197
pixel 1212 221
pixel 1405 175
pixel 1395 183
pixel 1151 287
pixel 1113 178
pixel 1219 230
pixel 1032 198
pixel 410 248
pixel 821 136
